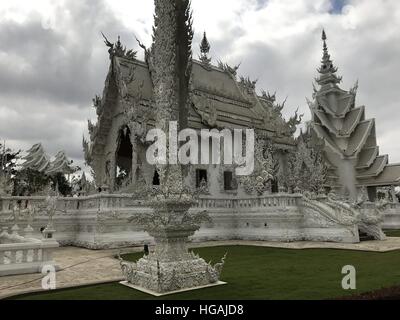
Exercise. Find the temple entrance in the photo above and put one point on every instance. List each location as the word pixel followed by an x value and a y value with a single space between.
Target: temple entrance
pixel 201 176
pixel 124 157
pixel 156 179
pixel 274 186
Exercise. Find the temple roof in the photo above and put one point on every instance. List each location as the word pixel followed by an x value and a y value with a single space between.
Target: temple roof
pixel 215 91
pixel 376 168
pixel 208 84
pixel 389 176
pixel 367 157
pixel 217 82
pixel 351 121
pixel 343 127
pixel 218 100
pixel 336 103
pixel 359 137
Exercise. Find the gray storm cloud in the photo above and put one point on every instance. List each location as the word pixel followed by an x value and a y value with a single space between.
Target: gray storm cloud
pixel 48 75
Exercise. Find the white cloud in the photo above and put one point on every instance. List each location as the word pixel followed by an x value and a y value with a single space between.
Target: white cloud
pixel 278 43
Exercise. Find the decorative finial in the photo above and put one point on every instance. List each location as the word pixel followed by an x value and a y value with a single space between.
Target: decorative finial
pixel 205 49
pixel 205 45
pixel 326 63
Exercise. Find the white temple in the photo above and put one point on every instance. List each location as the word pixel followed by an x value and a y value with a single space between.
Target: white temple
pixel 299 186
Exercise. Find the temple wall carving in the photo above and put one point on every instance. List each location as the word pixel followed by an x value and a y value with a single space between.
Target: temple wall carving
pixel 100 221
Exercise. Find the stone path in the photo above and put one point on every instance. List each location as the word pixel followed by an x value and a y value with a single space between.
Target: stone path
pixel 85 267
pixel 77 267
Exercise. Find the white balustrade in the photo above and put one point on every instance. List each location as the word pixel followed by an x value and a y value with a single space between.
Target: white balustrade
pixel 256 202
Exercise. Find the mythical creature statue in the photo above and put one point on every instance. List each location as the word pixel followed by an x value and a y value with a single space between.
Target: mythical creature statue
pixel 248 84
pixel 118 50
pixel 294 122
pixel 228 69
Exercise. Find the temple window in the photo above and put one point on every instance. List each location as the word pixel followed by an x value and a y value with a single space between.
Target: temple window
pixel 274 186
pixel 201 175
pixel 228 181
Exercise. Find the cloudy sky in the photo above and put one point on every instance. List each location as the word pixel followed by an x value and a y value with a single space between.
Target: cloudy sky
pixel 53 60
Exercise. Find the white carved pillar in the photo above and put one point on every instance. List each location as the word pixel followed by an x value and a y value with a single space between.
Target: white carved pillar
pixel 24 256
pixel 13 257
pixel 35 255
pixel 393 194
pixel 134 157
pixel 113 169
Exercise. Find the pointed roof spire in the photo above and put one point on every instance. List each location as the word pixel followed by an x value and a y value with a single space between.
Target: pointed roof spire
pixel 205 45
pixel 326 63
pixel 205 49
pixel 327 70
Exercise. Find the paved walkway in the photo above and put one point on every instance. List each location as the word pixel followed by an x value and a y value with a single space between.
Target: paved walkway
pixel 85 267
pixel 77 267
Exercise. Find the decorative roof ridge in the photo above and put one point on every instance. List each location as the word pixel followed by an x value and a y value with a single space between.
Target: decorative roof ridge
pixel 327 140
pixel 373 157
pixel 356 122
pixel 326 123
pixel 397 164
pixel 134 62
pixel 385 160
pixel 361 144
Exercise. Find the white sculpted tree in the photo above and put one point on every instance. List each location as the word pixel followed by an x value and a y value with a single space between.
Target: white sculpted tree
pixel 171 266
pixel 264 169
pixel 306 168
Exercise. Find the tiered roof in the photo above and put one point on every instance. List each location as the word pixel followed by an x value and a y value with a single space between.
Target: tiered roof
pixel 343 127
pixel 219 99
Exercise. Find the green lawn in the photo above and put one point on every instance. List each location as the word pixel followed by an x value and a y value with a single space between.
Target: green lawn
pixel 267 273
pixel 392 233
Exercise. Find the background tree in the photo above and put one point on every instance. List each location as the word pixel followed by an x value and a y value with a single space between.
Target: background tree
pixel 37 173
pixel 8 164
pixel 29 182
pixel 8 159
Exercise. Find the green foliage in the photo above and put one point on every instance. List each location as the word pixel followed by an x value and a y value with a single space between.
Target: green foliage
pixel 8 160
pixel 64 186
pixel 265 273
pixel 29 182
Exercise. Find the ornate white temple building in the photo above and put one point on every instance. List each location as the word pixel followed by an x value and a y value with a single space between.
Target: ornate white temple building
pixel 296 191
pixel 218 100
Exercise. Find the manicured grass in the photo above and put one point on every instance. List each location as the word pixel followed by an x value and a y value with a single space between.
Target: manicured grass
pixel 267 273
pixel 393 233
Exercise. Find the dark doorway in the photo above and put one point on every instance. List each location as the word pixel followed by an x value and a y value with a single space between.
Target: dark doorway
pixel 201 175
pixel 156 179
pixel 228 181
pixel 372 194
pixel 274 186
pixel 124 156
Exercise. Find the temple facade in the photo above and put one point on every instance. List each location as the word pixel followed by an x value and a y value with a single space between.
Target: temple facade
pixel 218 99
